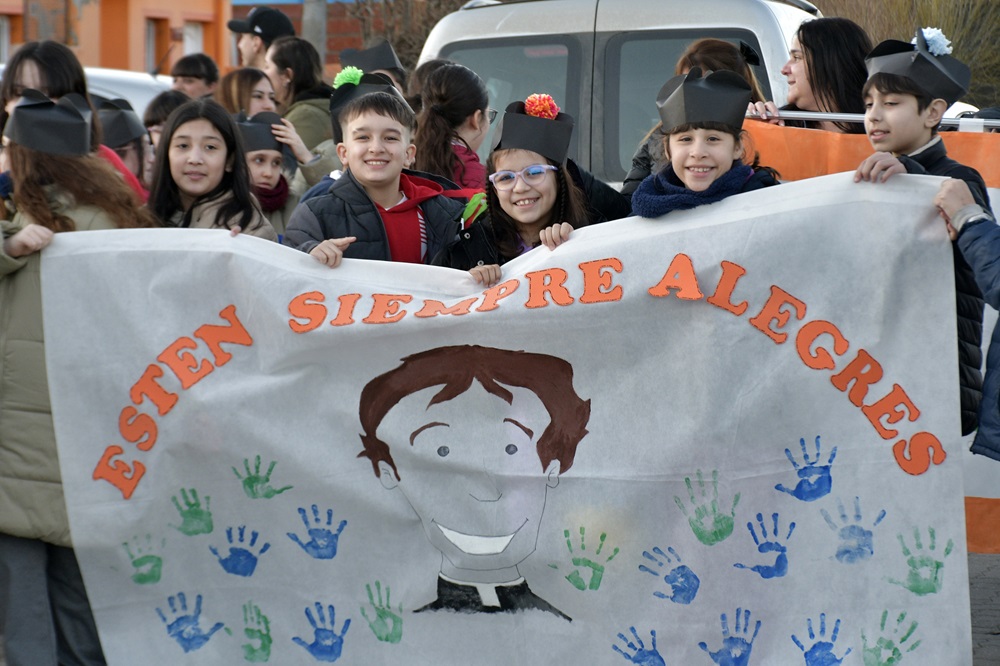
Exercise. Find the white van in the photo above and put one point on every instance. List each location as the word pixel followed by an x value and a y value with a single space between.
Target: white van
pixel 604 60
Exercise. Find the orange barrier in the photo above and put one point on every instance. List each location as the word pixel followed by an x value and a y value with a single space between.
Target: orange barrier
pixel 803 153
pixel 982 524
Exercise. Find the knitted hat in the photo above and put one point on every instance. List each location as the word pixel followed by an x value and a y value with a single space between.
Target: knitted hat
pixel 535 124
pixel 717 97
pixel 931 68
pixel 56 128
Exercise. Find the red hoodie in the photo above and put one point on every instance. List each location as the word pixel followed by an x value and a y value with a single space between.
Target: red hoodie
pixel 404 222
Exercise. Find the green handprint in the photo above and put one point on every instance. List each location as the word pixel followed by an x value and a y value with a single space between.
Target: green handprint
pixel 194 519
pixel 255 485
pixel 147 565
pixel 257 627
pixel 886 651
pixel 387 625
pixel 719 525
pixel 596 569
pixel 924 576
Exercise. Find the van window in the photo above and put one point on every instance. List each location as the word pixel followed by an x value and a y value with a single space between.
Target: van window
pixel 515 68
pixel 637 64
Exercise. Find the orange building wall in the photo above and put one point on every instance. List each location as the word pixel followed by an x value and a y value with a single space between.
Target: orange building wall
pixel 112 33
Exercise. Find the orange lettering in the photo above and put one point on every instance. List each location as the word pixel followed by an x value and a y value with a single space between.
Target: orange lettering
pixel 134 425
pixel 821 358
pixel 924 448
pixel 184 363
pixel 149 388
pixel 116 472
pixel 864 371
pixel 597 281
pixel 433 308
pixel 773 312
pixel 886 408
pixel 496 293
pixel 550 281
pixel 386 308
pixel 345 312
pixel 731 273
pixel 680 276
pixel 214 335
pixel 308 306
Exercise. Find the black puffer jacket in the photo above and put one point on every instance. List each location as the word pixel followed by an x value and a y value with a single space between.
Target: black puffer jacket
pixel 347 210
pixel 934 160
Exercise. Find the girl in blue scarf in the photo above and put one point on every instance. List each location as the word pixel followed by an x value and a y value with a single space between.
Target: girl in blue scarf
pixel 704 144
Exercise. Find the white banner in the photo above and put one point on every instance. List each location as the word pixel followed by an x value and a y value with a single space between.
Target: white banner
pixel 728 436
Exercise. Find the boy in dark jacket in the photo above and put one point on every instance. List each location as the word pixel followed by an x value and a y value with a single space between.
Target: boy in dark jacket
pixel 375 210
pixel 910 85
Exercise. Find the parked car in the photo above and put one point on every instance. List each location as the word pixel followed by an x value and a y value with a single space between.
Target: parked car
pixel 604 60
pixel 137 87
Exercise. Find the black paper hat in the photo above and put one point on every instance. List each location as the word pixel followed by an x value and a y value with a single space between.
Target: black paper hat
pixel 941 76
pixel 257 135
pixel 256 131
pixel 549 138
pixel 718 97
pixel 380 56
pixel 347 92
pixel 56 128
pixel 119 122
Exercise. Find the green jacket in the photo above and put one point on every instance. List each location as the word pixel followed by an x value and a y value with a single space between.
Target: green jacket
pixel 311 117
pixel 31 495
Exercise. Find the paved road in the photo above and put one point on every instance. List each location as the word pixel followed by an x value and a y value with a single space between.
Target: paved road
pixel 984 598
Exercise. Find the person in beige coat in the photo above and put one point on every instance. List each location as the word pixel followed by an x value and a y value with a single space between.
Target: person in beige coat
pixel 45 617
pixel 200 180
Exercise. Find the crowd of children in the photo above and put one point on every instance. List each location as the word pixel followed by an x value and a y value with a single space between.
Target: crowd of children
pixel 352 171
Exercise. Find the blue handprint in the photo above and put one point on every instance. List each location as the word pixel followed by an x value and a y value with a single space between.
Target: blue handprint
pixel 322 544
pixel 856 542
pixel 683 582
pixel 814 479
pixel 327 644
pixel 780 566
pixel 185 628
pixel 241 561
pixel 735 650
pixel 820 653
pixel 640 655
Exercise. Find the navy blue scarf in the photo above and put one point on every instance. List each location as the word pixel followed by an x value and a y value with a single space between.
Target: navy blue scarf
pixel 663 192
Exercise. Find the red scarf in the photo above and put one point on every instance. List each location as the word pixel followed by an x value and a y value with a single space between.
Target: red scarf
pixel 272 198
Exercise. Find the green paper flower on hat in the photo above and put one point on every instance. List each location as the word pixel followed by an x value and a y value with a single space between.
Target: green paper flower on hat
pixel 350 75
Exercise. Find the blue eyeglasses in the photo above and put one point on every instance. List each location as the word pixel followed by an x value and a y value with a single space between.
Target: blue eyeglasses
pixel 531 175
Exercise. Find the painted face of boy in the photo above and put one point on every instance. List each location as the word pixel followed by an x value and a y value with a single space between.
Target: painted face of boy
pixel 895 125
pixel 375 149
pixel 470 469
pixel 700 156
pixel 265 168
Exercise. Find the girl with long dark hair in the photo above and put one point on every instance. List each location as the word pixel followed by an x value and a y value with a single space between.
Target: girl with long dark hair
pixel 201 180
